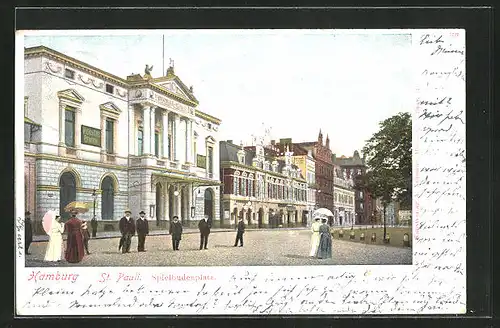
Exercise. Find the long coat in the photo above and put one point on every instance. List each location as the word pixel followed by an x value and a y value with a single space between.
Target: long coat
pixel 74 244
pixel 55 246
pixel 127 226
pixel 325 242
pixel 28 231
pixel 176 230
pixel 204 227
pixel 142 226
pixel 241 227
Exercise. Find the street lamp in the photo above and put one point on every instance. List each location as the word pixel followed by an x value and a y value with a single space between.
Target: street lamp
pixel 94 196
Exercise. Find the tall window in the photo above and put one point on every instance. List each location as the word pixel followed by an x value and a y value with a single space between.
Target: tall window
pixel 235 186
pixel 69 127
pixel 109 136
pixel 194 150
pixel 210 167
pixel 157 144
pixel 243 187
pixel 169 146
pixel 140 144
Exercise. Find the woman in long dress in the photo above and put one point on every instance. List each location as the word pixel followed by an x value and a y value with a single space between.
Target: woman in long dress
pixel 325 241
pixel 315 237
pixel 54 248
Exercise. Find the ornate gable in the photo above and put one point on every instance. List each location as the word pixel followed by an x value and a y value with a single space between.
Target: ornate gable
pixel 110 108
pixel 71 95
pixel 172 83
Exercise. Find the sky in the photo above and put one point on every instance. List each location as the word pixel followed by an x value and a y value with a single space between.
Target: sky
pixel 295 82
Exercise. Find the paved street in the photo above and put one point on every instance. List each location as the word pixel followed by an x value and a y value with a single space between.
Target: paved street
pixel 262 247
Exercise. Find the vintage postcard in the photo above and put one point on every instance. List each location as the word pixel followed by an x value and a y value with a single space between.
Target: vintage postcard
pixel 248 172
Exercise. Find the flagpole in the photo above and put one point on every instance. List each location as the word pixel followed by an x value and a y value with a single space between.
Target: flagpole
pixel 163 56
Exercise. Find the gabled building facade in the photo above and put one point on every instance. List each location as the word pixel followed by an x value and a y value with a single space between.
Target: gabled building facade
pixel 140 143
pixel 264 190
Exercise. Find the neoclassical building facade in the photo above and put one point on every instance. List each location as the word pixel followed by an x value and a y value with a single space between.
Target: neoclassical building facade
pixel 261 188
pixel 138 143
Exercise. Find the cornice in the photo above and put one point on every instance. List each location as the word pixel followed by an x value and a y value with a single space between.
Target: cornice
pixel 207 117
pixel 75 63
pixel 231 164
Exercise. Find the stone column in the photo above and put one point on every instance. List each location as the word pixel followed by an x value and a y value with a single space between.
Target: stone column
pixel 146 123
pixel 167 208
pixel 62 113
pixel 177 139
pixel 178 205
pixel 190 200
pixel 131 130
pixel 164 133
pixel 152 125
pixel 189 145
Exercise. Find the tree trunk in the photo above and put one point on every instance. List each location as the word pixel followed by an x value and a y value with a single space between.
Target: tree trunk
pixel 385 206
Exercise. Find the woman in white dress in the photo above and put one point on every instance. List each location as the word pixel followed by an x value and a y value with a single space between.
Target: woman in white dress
pixel 54 248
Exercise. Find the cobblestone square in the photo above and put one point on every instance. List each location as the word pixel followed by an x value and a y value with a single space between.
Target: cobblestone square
pixel 261 247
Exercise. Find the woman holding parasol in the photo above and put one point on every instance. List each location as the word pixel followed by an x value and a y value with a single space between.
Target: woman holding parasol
pixel 74 244
pixel 54 229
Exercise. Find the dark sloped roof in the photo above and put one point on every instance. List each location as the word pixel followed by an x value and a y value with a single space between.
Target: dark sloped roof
pixel 229 152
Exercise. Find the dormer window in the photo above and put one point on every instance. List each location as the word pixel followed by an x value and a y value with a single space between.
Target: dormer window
pixel 109 88
pixel 241 157
pixel 70 74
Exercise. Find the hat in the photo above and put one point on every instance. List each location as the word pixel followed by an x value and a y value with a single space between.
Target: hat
pixel 128 211
pixel 142 212
pixel 27 213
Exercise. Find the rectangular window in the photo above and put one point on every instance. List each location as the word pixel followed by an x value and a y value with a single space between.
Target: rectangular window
pixel 169 146
pixel 140 144
pixel 157 144
pixel 69 127
pixel 70 74
pixel 110 136
pixel 210 158
pixel 109 88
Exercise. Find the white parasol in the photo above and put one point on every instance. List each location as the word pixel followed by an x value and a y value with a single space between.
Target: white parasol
pixel 47 221
pixel 322 212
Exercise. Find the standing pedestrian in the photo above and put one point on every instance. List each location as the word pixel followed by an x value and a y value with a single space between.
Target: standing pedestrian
pixel 315 237
pixel 86 236
pixel 93 224
pixel 127 229
pixel 74 243
pixel 175 231
pixel 325 241
pixel 142 230
pixel 53 253
pixel 239 234
pixel 204 227
pixel 28 232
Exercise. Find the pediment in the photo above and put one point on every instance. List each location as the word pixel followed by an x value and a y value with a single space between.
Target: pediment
pixel 210 139
pixel 174 87
pixel 71 94
pixel 110 107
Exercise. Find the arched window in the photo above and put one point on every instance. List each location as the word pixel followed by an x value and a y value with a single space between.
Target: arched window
pixel 243 186
pixel 107 198
pixel 67 192
pixel 235 185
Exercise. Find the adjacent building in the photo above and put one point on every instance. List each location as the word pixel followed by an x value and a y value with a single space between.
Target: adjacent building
pixel 323 170
pixel 140 143
pixel 364 204
pixel 343 198
pixel 260 187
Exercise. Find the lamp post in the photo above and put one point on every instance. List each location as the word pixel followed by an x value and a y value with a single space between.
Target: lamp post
pixel 94 196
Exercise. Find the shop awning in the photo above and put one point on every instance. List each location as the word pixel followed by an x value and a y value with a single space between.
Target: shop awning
pixel 191 179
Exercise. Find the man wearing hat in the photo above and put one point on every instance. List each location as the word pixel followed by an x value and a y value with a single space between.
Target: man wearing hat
pixel 86 236
pixel 142 231
pixel 127 229
pixel 28 232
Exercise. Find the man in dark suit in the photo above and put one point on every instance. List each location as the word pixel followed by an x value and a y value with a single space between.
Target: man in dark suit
pixel 142 231
pixel 93 224
pixel 127 229
pixel 28 232
pixel 86 236
pixel 175 231
pixel 204 227
pixel 239 234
